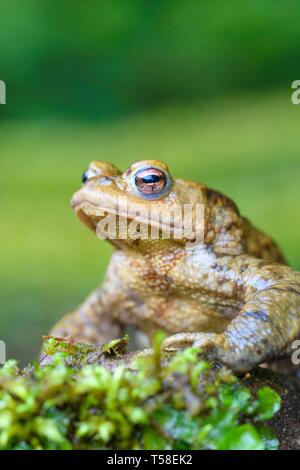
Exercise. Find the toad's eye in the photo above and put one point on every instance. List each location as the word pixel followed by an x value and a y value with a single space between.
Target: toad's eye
pixel 84 177
pixel 88 174
pixel 151 182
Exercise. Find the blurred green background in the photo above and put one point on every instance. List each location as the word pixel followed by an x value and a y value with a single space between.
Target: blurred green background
pixel 205 86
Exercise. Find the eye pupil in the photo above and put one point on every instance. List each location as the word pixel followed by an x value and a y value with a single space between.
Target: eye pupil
pixel 84 177
pixel 150 181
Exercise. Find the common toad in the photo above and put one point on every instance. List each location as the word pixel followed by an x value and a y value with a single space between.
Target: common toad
pixel 231 294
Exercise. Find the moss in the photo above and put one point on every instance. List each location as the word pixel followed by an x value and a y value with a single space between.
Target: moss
pixel 180 402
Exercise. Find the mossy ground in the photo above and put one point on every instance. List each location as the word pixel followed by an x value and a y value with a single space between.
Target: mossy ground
pixel 90 398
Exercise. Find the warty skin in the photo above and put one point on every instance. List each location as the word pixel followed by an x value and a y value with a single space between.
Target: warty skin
pixel 233 295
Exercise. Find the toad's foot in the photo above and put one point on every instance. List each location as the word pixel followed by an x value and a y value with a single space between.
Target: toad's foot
pixel 216 345
pixel 212 343
pixel 205 341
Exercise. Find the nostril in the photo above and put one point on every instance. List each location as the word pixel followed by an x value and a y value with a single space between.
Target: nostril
pixel 104 181
pixel 90 173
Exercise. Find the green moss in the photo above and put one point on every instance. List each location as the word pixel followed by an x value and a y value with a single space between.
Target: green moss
pixel 180 402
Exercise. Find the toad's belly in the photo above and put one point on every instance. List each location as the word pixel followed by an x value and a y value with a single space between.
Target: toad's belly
pixel 175 315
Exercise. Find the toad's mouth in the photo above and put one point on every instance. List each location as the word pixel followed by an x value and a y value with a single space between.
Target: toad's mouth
pixel 92 213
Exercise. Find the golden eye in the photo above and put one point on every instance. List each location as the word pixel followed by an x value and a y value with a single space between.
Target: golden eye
pixel 89 173
pixel 150 181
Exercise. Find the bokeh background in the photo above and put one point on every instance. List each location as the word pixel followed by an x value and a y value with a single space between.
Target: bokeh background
pixel 205 86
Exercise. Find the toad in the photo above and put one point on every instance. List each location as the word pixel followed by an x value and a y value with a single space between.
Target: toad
pixel 227 291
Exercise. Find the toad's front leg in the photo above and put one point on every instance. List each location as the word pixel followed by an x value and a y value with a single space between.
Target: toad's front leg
pixel 267 323
pixel 94 321
pixel 91 322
